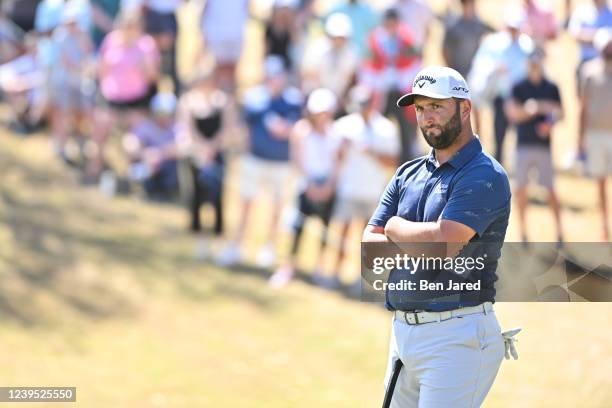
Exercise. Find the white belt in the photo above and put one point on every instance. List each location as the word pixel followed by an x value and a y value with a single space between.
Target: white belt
pixel 414 318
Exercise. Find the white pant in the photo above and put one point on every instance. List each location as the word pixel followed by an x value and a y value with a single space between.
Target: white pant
pixel 452 363
pixel 599 153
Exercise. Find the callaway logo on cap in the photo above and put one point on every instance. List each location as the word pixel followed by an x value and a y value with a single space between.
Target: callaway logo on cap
pixel 437 82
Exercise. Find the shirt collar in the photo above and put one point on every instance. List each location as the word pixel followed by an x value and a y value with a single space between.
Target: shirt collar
pixel 462 157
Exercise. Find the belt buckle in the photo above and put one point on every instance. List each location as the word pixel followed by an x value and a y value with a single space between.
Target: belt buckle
pixel 416 318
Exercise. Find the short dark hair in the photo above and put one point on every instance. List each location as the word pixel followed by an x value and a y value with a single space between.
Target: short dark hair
pixel 391 14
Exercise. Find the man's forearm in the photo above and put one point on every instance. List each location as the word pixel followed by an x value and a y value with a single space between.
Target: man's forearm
pixel 369 237
pixel 416 238
pixel 400 230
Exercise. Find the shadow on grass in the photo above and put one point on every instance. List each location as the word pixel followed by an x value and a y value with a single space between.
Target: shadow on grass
pixel 70 249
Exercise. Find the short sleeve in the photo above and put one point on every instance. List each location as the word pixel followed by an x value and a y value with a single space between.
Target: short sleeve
pixel 517 93
pixel 149 49
pixel 576 21
pixel 555 94
pixel 387 207
pixel 478 200
pixel 389 142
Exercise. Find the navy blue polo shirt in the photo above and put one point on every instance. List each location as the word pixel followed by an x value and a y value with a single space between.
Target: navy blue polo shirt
pixel 545 90
pixel 471 188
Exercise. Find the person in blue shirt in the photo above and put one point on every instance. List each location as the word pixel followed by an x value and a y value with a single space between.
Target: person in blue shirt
pixel 583 24
pixel 448 342
pixel 270 110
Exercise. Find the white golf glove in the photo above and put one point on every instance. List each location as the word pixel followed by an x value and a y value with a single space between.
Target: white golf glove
pixel 509 343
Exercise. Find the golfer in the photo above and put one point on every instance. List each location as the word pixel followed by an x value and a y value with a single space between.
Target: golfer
pixel 445 351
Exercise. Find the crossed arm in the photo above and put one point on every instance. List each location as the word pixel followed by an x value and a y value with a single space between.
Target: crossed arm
pixel 398 230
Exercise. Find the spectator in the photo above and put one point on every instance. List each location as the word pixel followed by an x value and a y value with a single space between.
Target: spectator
pixel 280 32
pixel 22 12
pixel 369 150
pixel 363 20
pixel 103 13
pixel 160 22
pixel 461 40
pixel 583 24
pixel 48 16
pixel 152 149
pixel 21 82
pixel 595 124
pixel 72 86
pixel 390 70
pixel 534 107
pixel 201 116
pixel 332 62
pixel 540 22
pixel 500 62
pixel 11 39
pixel 417 15
pixel 314 149
pixel 271 110
pixel 128 70
pixel 223 23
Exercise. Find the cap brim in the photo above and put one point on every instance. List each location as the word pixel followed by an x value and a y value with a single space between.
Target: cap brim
pixel 408 99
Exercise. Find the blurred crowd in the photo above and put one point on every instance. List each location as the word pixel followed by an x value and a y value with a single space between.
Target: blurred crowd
pixel 90 72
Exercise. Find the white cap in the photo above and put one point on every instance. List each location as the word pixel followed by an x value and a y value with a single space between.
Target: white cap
pixel 164 103
pixel 338 25
pixel 321 100
pixel 602 38
pixel 292 4
pixel 514 17
pixel 71 14
pixel 439 83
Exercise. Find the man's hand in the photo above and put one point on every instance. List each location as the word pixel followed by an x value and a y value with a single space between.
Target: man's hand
pixel 544 129
pixel 278 127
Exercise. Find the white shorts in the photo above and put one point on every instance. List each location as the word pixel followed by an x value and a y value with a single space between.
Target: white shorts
pixel 348 209
pixel 599 153
pixel 452 363
pixel 257 174
pixel 226 50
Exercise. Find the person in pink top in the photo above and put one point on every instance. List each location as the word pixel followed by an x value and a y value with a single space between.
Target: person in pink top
pixel 128 71
pixel 540 23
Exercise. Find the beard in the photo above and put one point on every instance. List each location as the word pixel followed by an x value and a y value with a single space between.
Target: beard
pixel 448 133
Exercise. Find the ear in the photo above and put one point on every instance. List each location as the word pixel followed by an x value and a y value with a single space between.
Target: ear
pixel 465 107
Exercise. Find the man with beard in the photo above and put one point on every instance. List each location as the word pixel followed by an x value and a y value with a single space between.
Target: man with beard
pixel 449 344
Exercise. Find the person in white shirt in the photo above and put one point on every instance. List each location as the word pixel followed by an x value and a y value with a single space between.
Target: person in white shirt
pixel 332 62
pixel 369 150
pixel 314 150
pixel 417 15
